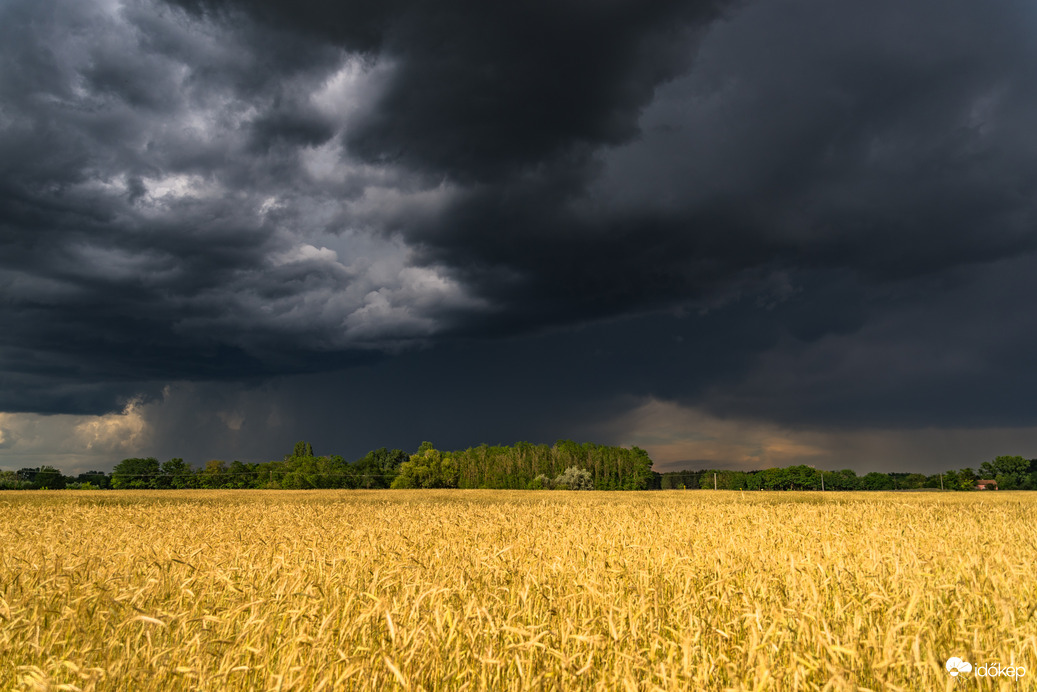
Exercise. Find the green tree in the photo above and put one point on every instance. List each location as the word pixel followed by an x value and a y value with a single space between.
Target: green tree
pixel 680 480
pixel 377 468
pixel 98 479
pixel 429 468
pixel 913 481
pixel 844 479
pixel 933 481
pixel 49 478
pixel 176 473
pixel 9 480
pixel 803 477
pixel 27 475
pixel 540 482
pixel 214 475
pixel 1010 472
pixel 242 475
pixel 302 449
pixel 768 479
pixel 135 473
pixel 876 481
pixel 270 474
pixel 965 479
pixel 637 472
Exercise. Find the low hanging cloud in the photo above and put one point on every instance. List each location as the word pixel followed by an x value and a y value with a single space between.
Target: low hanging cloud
pixel 73 443
pixel 684 438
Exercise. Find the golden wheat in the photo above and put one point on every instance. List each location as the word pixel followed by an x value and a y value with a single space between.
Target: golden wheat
pixel 444 590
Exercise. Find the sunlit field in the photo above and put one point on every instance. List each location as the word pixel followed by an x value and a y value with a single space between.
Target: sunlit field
pixel 444 590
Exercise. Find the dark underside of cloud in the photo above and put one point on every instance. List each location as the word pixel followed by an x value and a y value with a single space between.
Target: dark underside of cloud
pixel 801 211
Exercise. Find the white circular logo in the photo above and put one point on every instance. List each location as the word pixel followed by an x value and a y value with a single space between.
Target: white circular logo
pixel 955 665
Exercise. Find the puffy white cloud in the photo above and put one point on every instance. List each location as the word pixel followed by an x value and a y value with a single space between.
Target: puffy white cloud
pixel 73 443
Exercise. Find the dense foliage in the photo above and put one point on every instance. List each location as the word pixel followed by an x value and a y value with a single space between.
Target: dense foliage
pixel 1010 473
pixel 300 470
pixel 526 465
pixel 563 465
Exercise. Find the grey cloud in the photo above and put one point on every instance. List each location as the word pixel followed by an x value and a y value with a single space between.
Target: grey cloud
pixel 158 210
pixel 940 352
pixel 757 209
pixel 482 91
pixel 884 137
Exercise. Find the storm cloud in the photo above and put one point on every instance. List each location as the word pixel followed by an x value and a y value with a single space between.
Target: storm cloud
pixel 812 215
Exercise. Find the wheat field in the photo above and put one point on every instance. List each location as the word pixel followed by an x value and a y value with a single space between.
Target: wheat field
pixel 449 590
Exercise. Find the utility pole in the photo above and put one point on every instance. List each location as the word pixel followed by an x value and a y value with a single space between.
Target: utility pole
pixel 822 481
pixel 941 481
pixel 714 481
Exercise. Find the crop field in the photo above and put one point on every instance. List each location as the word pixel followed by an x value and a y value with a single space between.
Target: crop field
pixel 516 590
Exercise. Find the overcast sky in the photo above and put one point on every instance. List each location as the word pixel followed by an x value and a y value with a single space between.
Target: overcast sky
pixel 736 234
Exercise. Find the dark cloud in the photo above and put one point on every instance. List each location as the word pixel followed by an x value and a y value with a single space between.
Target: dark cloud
pixel 805 212
pixel 483 91
pixel 153 225
pixel 539 388
pixel 954 351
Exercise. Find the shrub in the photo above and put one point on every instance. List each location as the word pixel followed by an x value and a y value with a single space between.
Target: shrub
pixel 574 478
pixel 541 482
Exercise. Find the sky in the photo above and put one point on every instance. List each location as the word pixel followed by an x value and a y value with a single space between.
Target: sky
pixel 736 234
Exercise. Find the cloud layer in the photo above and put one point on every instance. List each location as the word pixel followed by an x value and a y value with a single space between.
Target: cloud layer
pixel 812 214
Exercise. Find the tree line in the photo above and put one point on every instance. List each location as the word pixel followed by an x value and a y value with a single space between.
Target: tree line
pixel 565 464
pixel 1009 472
pixel 524 465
